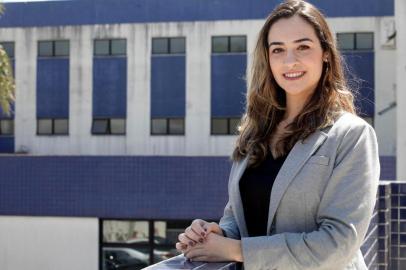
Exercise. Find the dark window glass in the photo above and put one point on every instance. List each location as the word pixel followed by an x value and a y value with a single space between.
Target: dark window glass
pixel 238 44
pixel 346 41
pixel 364 41
pixel 8 48
pixel 100 126
pixel 61 126
pixel 44 126
pixel 45 48
pixel 118 47
pixel 233 125
pixel 6 127
pixel 219 44
pixel 219 126
pixel 117 126
pixel 160 45
pixel 176 126
pixel 177 45
pixel 159 126
pixel 369 120
pixel 101 47
pixel 61 48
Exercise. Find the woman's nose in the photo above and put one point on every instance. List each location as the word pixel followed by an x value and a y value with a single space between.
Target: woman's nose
pixel 290 58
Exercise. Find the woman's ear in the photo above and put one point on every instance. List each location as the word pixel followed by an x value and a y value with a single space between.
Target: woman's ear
pixel 325 57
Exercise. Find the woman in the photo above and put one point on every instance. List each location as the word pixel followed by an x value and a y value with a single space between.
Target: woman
pixel 305 171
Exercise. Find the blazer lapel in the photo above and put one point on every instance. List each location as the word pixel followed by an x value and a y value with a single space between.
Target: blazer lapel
pixel 295 160
pixel 235 191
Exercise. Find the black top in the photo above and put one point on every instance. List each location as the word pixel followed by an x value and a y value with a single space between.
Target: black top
pixel 255 189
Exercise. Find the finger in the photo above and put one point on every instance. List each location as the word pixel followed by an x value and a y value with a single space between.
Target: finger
pixel 198 228
pixel 213 227
pixel 193 235
pixel 200 222
pixel 184 239
pixel 181 247
pixel 193 252
pixel 200 259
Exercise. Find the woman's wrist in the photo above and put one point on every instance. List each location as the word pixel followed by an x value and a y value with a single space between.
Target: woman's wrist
pixel 235 250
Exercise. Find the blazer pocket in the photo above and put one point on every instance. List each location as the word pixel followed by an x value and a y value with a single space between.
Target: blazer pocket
pixel 322 160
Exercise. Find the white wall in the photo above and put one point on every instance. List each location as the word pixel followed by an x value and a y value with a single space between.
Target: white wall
pixel 41 243
pixel 138 141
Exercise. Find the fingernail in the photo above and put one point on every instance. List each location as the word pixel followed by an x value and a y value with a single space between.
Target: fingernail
pixel 205 229
pixel 203 234
pixel 191 243
pixel 201 240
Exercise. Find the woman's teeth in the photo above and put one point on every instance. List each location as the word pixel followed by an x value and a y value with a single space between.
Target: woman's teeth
pixel 293 74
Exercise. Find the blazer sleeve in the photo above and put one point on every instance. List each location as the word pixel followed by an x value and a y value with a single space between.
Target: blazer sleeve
pixel 228 224
pixel 343 216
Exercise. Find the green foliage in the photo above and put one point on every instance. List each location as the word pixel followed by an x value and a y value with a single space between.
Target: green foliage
pixel 7 85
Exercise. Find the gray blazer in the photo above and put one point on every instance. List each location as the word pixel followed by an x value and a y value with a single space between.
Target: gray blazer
pixel 321 202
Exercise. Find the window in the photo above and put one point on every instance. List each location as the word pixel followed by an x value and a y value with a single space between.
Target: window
pixel 52 126
pixel 175 45
pixel 56 48
pixel 110 47
pixel 229 44
pixel 139 241
pixel 109 126
pixel 224 126
pixel 168 126
pixel 355 41
pixel 6 127
pixel 8 48
pixel 369 120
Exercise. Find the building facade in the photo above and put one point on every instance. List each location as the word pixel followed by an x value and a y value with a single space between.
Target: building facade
pixel 126 113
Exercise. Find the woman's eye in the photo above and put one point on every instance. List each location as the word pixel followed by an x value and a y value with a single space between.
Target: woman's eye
pixel 277 50
pixel 303 47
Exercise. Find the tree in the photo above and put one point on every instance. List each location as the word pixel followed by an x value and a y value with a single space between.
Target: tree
pixel 7 86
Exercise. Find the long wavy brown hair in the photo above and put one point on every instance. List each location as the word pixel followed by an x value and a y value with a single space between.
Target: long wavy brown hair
pixel 266 100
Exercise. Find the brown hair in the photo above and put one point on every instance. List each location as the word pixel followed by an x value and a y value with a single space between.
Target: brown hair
pixel 266 100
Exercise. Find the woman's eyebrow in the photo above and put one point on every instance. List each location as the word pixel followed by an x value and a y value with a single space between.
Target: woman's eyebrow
pixel 296 41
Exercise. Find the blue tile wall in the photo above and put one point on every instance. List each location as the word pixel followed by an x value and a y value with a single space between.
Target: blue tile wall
pixel 110 87
pixel 388 167
pixel 168 86
pixel 138 11
pixel 52 88
pixel 228 86
pixel 114 187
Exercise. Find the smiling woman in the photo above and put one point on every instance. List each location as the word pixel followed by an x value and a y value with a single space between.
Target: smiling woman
pixel 305 168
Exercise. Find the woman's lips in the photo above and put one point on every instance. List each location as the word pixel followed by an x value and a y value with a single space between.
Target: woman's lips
pixel 294 75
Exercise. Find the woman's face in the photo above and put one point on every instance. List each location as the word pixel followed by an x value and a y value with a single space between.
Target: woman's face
pixel 295 56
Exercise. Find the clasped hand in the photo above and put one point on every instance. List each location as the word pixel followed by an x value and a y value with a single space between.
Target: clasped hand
pixel 204 241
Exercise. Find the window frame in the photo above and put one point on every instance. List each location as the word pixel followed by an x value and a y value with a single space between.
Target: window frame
pixel 53 42
pixel 167 133
pixel 52 127
pixel 229 131
pixel 13 127
pixel 110 47
pixel 13 48
pixel 108 132
pixel 168 50
pixel 229 51
pixel 151 246
pixel 355 46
